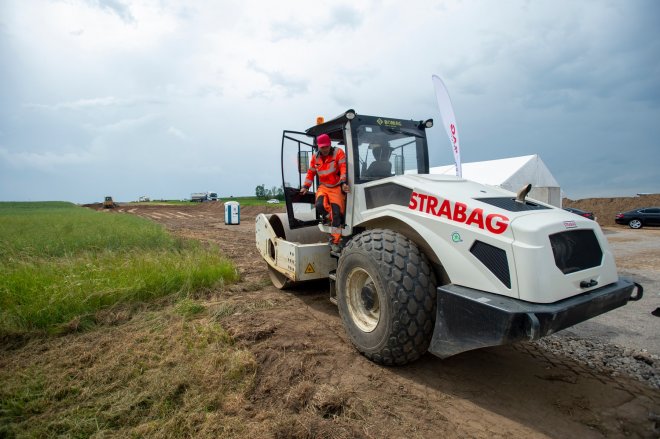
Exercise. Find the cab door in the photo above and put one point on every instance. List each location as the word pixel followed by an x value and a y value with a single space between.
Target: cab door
pixel 297 149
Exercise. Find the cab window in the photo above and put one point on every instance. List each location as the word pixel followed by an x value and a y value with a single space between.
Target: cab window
pixel 384 152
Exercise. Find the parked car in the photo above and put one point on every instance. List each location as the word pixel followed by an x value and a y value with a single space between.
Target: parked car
pixel 581 212
pixel 273 201
pixel 637 218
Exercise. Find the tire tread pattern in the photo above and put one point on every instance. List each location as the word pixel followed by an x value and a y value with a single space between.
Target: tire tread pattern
pixel 410 285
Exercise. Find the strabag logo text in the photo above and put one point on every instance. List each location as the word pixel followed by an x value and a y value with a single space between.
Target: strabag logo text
pixel 458 212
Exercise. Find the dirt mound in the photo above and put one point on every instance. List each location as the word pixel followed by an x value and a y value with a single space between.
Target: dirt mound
pixel 606 208
pixel 93 205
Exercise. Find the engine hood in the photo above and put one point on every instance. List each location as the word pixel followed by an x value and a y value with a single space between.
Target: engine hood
pixel 467 203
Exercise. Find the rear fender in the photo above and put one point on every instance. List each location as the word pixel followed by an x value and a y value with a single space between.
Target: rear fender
pixel 406 230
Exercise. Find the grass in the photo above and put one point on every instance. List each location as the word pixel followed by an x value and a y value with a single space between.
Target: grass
pixel 163 375
pixel 188 308
pixel 61 263
pixel 170 371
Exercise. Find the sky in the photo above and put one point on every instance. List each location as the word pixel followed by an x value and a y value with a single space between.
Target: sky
pixel 164 98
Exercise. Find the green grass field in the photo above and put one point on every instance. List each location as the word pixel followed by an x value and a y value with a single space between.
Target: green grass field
pixel 249 201
pixel 60 262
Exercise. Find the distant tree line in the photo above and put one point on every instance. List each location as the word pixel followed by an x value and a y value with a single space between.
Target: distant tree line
pixel 275 192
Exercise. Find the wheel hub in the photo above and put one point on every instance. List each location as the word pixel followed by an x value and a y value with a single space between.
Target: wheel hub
pixel 363 301
pixel 367 296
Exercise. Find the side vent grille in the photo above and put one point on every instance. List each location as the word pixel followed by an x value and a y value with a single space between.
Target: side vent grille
pixel 576 250
pixel 388 193
pixel 494 259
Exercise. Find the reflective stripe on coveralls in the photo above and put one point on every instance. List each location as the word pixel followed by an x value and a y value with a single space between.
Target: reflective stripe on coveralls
pixel 326 168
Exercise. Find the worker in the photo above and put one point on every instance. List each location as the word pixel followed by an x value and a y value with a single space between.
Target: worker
pixel 329 163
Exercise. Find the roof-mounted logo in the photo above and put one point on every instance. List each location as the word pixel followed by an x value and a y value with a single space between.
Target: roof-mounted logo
pixel 388 122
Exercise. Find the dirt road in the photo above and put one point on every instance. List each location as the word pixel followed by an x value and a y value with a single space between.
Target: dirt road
pixel 312 383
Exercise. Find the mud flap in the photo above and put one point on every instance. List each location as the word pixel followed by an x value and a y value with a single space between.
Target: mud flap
pixel 469 319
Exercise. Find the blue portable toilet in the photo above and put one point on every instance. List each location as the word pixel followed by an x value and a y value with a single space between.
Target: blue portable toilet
pixel 232 212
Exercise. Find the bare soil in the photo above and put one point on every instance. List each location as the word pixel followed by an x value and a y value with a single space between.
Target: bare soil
pixel 606 208
pixel 312 383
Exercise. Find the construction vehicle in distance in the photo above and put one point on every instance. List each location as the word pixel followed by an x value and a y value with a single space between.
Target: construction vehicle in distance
pixel 433 262
pixel 201 197
pixel 108 203
pixel 198 197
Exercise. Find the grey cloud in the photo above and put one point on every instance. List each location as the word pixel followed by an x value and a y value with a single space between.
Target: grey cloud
pixel 177 133
pixel 209 91
pixel 125 124
pixel 103 102
pixel 45 160
pixel 80 104
pixel 612 55
pixel 289 84
pixel 345 16
pixel 283 30
pixel 116 7
pixel 339 17
pixel 567 99
pixel 345 93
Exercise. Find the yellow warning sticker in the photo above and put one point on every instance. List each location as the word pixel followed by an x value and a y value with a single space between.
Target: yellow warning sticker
pixel 310 268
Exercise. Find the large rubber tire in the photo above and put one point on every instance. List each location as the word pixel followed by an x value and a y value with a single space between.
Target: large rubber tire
pixel 635 224
pixel 386 292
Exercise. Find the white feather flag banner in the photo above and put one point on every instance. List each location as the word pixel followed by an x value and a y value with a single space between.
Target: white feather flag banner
pixel 448 120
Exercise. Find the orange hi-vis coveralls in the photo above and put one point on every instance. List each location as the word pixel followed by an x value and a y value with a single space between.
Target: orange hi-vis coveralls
pixel 331 170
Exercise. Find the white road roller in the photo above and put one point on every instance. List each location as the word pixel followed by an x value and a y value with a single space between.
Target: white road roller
pixel 432 262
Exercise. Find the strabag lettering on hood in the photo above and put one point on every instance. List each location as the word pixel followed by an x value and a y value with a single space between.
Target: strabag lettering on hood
pixel 458 212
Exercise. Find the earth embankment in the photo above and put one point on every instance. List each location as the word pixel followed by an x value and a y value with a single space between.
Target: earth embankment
pixel 606 208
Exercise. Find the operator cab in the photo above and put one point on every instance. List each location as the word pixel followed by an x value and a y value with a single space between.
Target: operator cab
pixel 376 148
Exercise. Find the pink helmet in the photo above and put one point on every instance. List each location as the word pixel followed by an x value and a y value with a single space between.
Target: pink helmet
pixel 323 140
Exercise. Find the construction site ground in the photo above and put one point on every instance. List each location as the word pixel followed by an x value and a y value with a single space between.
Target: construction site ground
pixel 310 382
pixel 521 390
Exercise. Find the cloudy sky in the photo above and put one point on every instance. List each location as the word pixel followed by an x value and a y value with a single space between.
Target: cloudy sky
pixel 164 98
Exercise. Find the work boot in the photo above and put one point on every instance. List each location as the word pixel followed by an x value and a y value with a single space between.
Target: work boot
pixel 336 245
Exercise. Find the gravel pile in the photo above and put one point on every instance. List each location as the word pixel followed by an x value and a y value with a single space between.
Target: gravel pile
pixel 605 358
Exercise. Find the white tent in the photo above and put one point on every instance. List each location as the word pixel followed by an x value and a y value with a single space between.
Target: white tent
pixel 512 174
